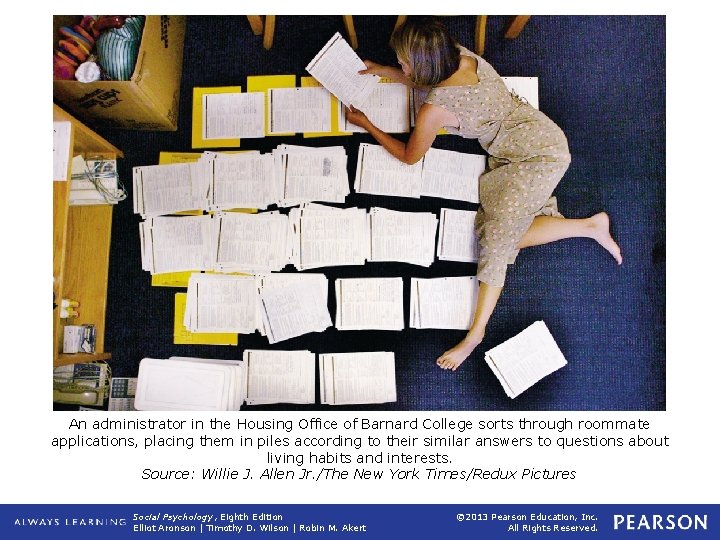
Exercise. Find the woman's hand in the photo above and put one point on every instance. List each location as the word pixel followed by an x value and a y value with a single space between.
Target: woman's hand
pixel 356 117
pixel 374 69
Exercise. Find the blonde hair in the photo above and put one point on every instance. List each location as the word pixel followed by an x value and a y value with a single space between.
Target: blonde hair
pixel 428 49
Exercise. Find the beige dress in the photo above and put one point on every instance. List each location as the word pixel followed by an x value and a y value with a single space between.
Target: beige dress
pixel 528 155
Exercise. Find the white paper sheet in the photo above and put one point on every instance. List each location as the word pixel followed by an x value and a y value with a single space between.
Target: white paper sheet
pixel 387 108
pixel 447 303
pixel 299 110
pixel 380 173
pixel 336 67
pixel 456 239
pixel 523 360
pixel 280 376
pixel 369 304
pixel 402 236
pixel 451 175
pixel 356 378
pixel 233 115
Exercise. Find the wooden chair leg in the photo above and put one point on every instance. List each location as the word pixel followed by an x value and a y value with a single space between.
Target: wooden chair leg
pixel 256 24
pixel 269 34
pixel 350 29
pixel 480 27
pixel 516 26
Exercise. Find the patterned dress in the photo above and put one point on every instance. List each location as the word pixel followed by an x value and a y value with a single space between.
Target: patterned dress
pixel 528 155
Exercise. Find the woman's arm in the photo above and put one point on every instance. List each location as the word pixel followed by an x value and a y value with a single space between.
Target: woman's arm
pixel 428 122
pixel 389 72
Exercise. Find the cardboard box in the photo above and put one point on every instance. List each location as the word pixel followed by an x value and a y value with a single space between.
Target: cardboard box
pixel 149 100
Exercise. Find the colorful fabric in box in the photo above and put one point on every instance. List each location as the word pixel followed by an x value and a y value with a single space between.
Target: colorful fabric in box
pixel 75 46
pixel 117 48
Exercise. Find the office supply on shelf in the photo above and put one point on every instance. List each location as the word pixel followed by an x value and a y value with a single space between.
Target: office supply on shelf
pixel 456 239
pixel 79 338
pixel 525 359
pixel 369 304
pixel 402 236
pixel 357 378
pixel 95 181
pixel 336 66
pixel 447 302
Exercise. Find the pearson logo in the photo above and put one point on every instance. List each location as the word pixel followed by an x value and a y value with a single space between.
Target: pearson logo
pixel 660 522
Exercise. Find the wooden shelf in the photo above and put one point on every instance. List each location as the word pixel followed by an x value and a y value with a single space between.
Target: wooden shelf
pixel 81 248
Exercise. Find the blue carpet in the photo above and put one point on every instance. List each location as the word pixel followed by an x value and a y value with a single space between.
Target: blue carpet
pixel 602 79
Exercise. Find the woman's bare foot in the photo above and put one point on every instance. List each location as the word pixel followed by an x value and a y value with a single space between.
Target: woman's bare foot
pixel 600 226
pixel 452 358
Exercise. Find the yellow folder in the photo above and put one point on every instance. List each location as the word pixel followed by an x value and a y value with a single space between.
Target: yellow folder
pixel 171 279
pixel 182 336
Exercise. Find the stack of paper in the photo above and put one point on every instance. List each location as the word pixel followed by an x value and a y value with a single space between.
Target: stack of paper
pixel 336 67
pixel 233 115
pixel 327 236
pixel 380 173
pixel 175 243
pixel 293 304
pixel 387 108
pixel 355 378
pixel 251 243
pixel 190 384
pixel 293 110
pixel 369 304
pixel 402 236
pixel 279 377
pixel 447 302
pixel 441 173
pixel 451 175
pixel 307 174
pixel 167 189
pixel 220 303
pixel 245 180
pixel 526 358
pixel 457 240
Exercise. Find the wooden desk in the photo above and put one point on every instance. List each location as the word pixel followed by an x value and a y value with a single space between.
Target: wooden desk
pixel 81 247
